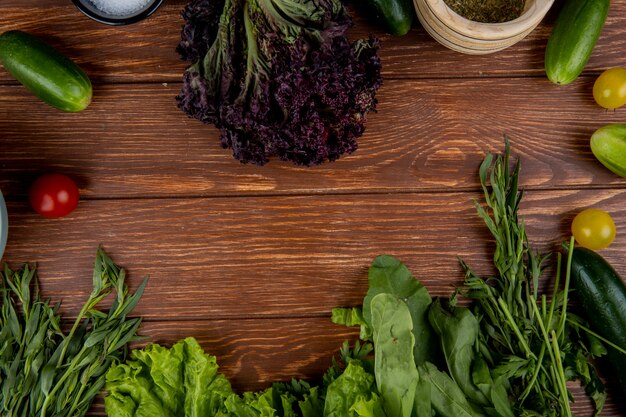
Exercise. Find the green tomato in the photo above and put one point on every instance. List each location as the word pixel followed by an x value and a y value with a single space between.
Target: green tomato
pixel 609 90
pixel 608 145
pixel 593 229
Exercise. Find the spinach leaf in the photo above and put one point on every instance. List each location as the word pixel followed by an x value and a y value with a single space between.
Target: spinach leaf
pixel 388 275
pixel 495 390
pixel 395 370
pixel 457 328
pixel 447 398
pixel 422 406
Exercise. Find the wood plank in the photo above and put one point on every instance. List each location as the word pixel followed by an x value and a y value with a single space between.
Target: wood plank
pixel 427 135
pixel 418 56
pixel 279 256
pixel 254 353
pixel 250 260
pixel 145 51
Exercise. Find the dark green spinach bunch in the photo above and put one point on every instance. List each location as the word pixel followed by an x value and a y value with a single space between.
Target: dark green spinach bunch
pixel 45 372
pixel 532 341
pixel 426 360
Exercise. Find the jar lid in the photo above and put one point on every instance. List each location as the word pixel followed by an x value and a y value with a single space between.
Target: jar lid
pixel 89 8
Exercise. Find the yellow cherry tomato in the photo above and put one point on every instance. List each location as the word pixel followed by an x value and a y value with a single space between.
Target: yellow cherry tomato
pixel 609 90
pixel 593 229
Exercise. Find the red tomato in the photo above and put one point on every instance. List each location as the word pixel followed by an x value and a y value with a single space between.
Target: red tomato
pixel 54 195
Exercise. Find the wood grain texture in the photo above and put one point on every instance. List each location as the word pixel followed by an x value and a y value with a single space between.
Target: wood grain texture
pixel 250 260
pixel 145 51
pixel 253 353
pixel 278 256
pixel 427 135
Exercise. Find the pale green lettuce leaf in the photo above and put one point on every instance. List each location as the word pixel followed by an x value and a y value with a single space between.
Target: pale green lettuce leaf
pixel 369 408
pixel 312 405
pixel 131 393
pixel 347 394
pixel 352 317
pixel 180 381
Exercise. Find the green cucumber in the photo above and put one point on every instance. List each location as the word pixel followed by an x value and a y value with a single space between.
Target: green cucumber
pixel 573 38
pixel 395 16
pixel 602 296
pixel 44 71
pixel 608 144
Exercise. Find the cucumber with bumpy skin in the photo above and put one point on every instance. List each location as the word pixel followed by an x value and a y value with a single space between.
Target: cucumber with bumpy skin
pixel 573 38
pixel 44 71
pixel 602 296
pixel 608 145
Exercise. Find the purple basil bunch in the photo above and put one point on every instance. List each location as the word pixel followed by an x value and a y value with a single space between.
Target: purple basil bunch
pixel 278 77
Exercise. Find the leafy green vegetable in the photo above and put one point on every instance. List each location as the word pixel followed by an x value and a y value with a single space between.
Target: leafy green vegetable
pixel 495 390
pixel 184 381
pixel 178 381
pixel 278 77
pixel 510 353
pixel 388 275
pixel 446 396
pixel 396 374
pixel 43 371
pixel 422 404
pixel 526 338
pixel 458 331
pixel 263 403
pixel 353 394
pixel 352 317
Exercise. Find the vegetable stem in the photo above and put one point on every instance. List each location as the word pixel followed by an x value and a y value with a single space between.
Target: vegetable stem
pixel 557 280
pixel 533 379
pixel 516 330
pixel 46 372
pixel 597 336
pixel 542 327
pixel 79 318
pixel 560 373
pixel 61 381
pixel 566 287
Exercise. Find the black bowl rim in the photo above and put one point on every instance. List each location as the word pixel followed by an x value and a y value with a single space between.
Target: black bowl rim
pixel 80 4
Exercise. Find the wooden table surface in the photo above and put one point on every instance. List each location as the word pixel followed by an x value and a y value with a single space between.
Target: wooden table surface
pixel 249 259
